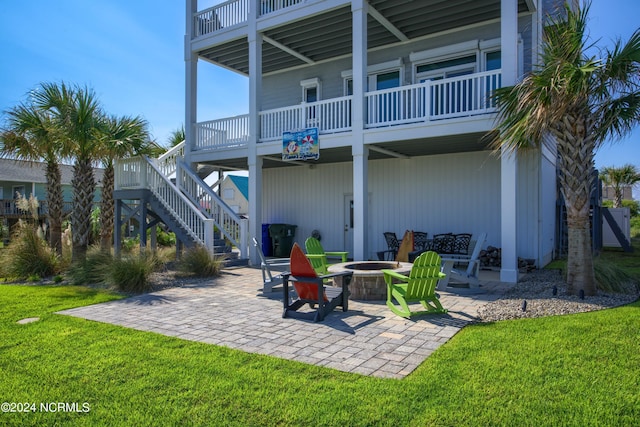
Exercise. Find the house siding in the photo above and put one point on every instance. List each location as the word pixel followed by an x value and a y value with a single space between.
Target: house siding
pixel 454 192
pixel 434 194
pixel 283 89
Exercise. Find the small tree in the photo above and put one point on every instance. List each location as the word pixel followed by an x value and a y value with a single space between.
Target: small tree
pixel 76 112
pixel 619 178
pixel 121 137
pixel 177 136
pixel 31 134
pixel 581 100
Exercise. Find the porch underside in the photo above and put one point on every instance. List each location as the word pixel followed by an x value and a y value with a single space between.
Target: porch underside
pixel 289 43
pixel 385 150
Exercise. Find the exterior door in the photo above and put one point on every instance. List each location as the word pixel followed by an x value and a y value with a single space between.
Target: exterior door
pixel 348 224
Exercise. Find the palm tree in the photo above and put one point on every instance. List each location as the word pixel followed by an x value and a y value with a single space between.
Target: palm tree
pixel 77 112
pixel 582 101
pixel 177 136
pixel 31 135
pixel 618 178
pixel 121 137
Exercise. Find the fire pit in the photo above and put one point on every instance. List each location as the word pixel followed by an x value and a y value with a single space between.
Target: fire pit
pixel 368 280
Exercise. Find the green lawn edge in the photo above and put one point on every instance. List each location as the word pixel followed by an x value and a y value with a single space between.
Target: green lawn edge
pixel 568 370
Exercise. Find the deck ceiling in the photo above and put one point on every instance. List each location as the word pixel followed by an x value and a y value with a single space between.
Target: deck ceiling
pixel 328 35
pixel 395 149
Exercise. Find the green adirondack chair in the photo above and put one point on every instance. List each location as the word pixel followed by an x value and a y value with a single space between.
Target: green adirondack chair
pixel 419 286
pixel 319 258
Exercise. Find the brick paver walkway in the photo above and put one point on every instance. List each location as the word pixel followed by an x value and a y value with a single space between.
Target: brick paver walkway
pixel 231 311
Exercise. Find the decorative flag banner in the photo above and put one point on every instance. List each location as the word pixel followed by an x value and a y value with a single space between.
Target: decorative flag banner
pixel 300 145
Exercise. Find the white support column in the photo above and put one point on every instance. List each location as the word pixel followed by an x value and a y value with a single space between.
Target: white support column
pixel 255 206
pixel 359 151
pixel 191 83
pixel 254 161
pixel 509 161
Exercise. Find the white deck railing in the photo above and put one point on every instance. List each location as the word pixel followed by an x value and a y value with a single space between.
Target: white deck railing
pixel 223 133
pixel 233 12
pixel 331 115
pixel 419 103
pixel 223 15
pixel 432 100
pixel 268 6
pixel 211 206
pixel 167 162
pixel 142 173
pixel 464 95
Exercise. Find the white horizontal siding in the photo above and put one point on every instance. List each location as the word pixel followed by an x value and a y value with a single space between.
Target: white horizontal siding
pixel 312 199
pixel 435 194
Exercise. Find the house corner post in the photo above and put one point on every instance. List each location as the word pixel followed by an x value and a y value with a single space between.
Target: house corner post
pixel 191 83
pixel 360 153
pixel 254 161
pixel 509 160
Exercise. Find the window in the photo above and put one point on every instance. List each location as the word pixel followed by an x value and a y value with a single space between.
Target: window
pixel 385 80
pixel 450 97
pixel 379 76
pixel 348 86
pixel 311 94
pixel 19 189
pixel 493 60
pixel 310 90
pixel 445 69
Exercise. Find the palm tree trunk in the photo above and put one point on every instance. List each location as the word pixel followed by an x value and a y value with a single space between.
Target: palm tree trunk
pixel 107 209
pixel 83 191
pixel 580 274
pixel 617 201
pixel 575 149
pixel 54 205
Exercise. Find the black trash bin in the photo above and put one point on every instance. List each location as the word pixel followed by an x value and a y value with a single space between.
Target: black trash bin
pixel 282 239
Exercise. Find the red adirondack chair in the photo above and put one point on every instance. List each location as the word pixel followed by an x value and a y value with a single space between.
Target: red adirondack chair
pixel 310 289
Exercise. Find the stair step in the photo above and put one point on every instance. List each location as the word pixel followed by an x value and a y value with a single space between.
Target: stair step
pixel 239 262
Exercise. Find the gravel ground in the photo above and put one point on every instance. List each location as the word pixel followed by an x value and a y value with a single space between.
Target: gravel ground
pixel 536 288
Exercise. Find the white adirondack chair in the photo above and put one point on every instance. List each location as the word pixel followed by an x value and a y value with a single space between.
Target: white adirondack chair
pixel 268 278
pixel 472 260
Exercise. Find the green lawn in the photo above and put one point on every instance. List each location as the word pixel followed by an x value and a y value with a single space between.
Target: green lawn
pixel 574 370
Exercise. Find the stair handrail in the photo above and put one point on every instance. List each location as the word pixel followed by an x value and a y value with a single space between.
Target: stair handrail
pixel 192 220
pixel 167 162
pixel 207 201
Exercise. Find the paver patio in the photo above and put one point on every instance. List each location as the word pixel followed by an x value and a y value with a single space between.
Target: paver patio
pixel 231 311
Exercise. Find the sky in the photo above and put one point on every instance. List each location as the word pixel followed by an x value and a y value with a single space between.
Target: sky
pixel 131 53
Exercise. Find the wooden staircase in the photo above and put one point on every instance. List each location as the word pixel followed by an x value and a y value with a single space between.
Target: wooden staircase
pixel 167 191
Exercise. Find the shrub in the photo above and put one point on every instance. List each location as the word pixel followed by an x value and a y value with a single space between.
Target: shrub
pixel 633 205
pixel 129 244
pixel 199 262
pixel 130 273
pixel 28 255
pixel 635 226
pixel 94 269
pixel 164 238
pixel 610 277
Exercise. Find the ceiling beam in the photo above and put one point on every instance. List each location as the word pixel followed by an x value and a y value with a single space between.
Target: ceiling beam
pixel 388 152
pixel 388 25
pixel 290 51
